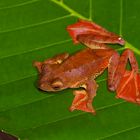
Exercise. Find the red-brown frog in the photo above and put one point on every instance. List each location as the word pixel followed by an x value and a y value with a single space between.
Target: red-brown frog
pixel 81 69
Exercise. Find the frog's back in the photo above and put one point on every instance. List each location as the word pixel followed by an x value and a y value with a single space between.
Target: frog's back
pixel 84 64
pixel 86 57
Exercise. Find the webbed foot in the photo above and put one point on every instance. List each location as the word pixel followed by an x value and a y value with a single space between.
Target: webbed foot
pixel 82 102
pixel 129 87
pixel 93 32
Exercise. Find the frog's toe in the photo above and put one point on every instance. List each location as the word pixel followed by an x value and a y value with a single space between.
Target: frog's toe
pixel 38 65
pixel 82 102
pixel 129 87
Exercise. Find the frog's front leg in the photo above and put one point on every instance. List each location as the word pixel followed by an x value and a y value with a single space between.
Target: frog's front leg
pixel 83 98
pixel 125 82
pixel 58 59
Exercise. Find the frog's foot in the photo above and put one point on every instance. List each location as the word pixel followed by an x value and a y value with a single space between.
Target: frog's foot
pixel 82 102
pixel 129 87
pixel 94 31
pixel 38 65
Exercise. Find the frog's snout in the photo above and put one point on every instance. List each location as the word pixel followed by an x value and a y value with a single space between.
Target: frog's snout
pixel 56 85
pixel 43 87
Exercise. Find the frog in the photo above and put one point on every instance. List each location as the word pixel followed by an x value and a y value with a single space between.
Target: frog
pixel 81 69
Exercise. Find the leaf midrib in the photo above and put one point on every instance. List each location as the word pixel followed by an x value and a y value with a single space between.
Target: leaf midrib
pixel 78 15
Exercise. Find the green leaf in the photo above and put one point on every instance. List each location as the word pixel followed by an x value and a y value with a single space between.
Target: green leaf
pixel 35 30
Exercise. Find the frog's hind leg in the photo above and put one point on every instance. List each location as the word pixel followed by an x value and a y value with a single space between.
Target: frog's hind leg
pixel 83 98
pixel 125 82
pixel 94 32
pixel 129 87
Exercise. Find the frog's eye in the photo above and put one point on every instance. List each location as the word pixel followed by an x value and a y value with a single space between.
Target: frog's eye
pixel 57 84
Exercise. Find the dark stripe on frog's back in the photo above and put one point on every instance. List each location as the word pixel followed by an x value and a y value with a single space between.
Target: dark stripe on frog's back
pixel 84 64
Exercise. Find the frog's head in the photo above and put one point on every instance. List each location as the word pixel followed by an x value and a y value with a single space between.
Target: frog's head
pixel 47 81
pixel 51 84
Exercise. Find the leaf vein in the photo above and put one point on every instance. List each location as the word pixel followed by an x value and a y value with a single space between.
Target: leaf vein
pixel 120 132
pixel 18 5
pixel 70 117
pixel 130 46
pixel 121 16
pixel 70 10
pixel 36 49
pixel 74 13
pixel 36 100
pixel 36 24
pixel 90 10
